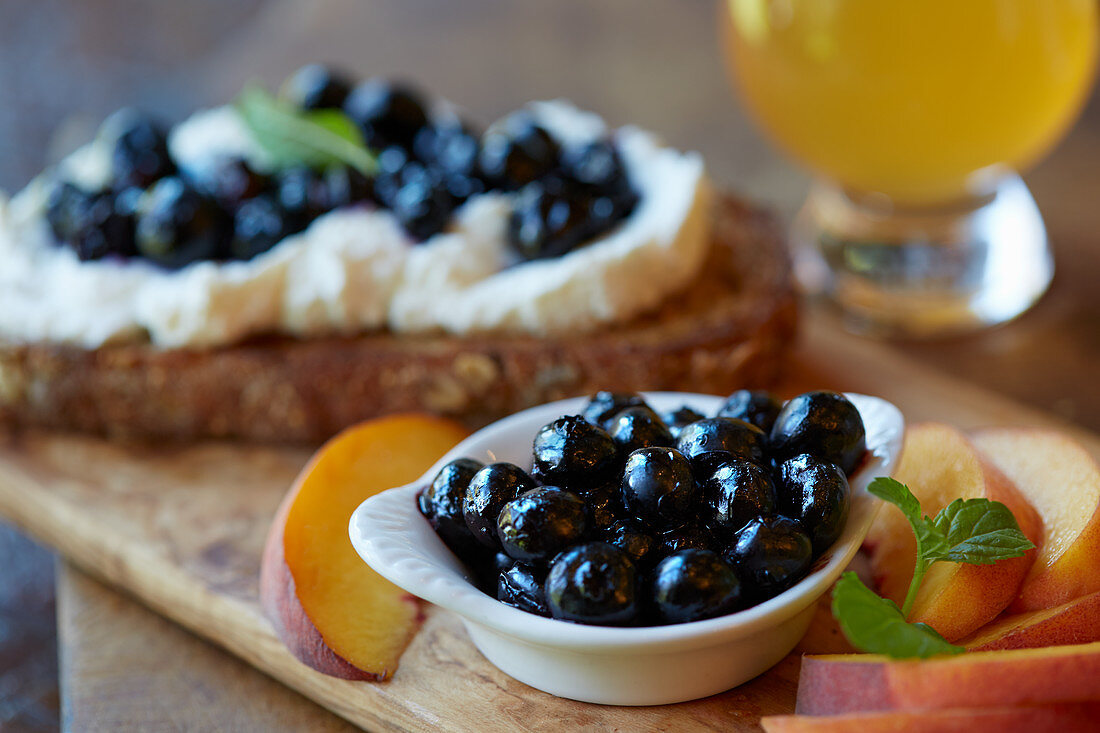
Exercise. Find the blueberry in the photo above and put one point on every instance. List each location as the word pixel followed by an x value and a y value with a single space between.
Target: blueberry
pixel 639 427
pixel 597 164
pixel 515 151
pixel 547 223
pixel 68 210
pixel 592 583
pixel 316 86
pixel 178 225
pixel 540 523
pixel 707 442
pixel 258 225
pixel 95 225
pixel 770 554
pixel 521 586
pixel 633 538
pixel 658 485
pixel 345 186
pixel 677 420
pixel 603 406
pixel 139 153
pixel 301 193
pixel 230 181
pixel 441 502
pixel 387 114
pixel 573 453
pixel 691 585
pixel 816 493
pixel 603 505
pixel 757 407
pixel 422 206
pixel 490 489
pixel 688 535
pixel 825 425
pixel 737 492
pixel 448 146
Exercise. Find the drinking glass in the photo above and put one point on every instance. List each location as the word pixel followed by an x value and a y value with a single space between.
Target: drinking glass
pixel 916 117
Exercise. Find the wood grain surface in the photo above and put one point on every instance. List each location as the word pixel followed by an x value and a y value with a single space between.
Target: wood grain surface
pixel 65 64
pixel 181 530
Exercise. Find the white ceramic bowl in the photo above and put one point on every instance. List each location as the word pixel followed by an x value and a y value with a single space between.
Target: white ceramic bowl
pixel 615 666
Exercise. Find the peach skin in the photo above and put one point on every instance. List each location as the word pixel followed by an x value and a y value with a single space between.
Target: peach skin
pixel 333 612
pixel 1062 482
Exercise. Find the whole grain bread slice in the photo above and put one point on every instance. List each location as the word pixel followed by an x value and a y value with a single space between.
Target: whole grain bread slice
pixel 729 329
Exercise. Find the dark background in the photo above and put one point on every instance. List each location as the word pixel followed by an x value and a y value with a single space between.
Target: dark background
pixel 66 64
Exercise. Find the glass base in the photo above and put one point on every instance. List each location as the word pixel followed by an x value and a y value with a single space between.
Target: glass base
pixel 923 272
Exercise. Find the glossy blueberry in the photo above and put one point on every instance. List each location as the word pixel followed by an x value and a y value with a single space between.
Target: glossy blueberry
pixel 97 225
pixel 639 427
pixel 707 442
pixel 441 501
pixel 824 424
pixel 758 407
pixel 658 485
pixel 258 225
pixel 603 506
pixel 178 225
pixel 522 586
pixel 597 164
pixel 737 492
pixel 633 538
pixel 345 186
pixel 603 406
pixel 770 554
pixel 316 86
pixel 677 420
pixel 387 114
pixel 593 583
pixel 691 585
pixel 448 145
pixel 540 523
pixel 816 493
pixel 490 489
pixel 302 194
pixel 573 453
pixel 688 535
pixel 68 210
pixel 139 149
pixel 545 222
pixel 421 204
pixel 230 181
pixel 515 151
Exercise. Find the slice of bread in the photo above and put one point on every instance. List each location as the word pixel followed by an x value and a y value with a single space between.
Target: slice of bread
pixel 728 330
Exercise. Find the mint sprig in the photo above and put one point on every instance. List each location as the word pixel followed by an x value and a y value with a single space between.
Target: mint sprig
pixel 292 137
pixel 971 531
pixel 874 623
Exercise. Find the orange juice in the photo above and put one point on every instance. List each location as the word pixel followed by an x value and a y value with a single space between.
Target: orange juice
pixel 913 99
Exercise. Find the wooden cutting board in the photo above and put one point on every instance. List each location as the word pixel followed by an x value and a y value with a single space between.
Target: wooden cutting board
pixel 181 529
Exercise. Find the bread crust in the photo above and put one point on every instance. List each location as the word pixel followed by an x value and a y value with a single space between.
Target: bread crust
pixel 729 329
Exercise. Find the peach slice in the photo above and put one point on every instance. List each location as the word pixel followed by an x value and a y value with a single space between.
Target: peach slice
pixel 939 465
pixel 1062 482
pixel 1061 718
pixel 1076 622
pixel 861 683
pixel 333 612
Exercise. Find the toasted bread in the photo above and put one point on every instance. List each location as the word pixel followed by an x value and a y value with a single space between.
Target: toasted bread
pixel 729 329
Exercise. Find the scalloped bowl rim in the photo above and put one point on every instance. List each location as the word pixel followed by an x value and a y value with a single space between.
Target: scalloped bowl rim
pixel 381 526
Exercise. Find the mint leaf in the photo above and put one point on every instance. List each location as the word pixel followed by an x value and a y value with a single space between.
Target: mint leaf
pixel 931 542
pixel 292 137
pixel 980 532
pixel 877 626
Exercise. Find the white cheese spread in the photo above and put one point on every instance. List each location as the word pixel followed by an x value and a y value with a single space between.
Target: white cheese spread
pixel 354 269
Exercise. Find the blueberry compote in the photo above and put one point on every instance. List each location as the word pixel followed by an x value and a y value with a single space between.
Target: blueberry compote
pixel 632 517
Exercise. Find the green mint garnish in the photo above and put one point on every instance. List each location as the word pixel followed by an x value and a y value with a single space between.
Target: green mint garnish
pixel 293 137
pixel 971 531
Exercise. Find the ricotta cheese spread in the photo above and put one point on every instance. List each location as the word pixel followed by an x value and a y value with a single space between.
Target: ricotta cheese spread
pixel 354 269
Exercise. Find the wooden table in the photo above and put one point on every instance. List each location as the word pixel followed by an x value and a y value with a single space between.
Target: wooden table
pixel 655 64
